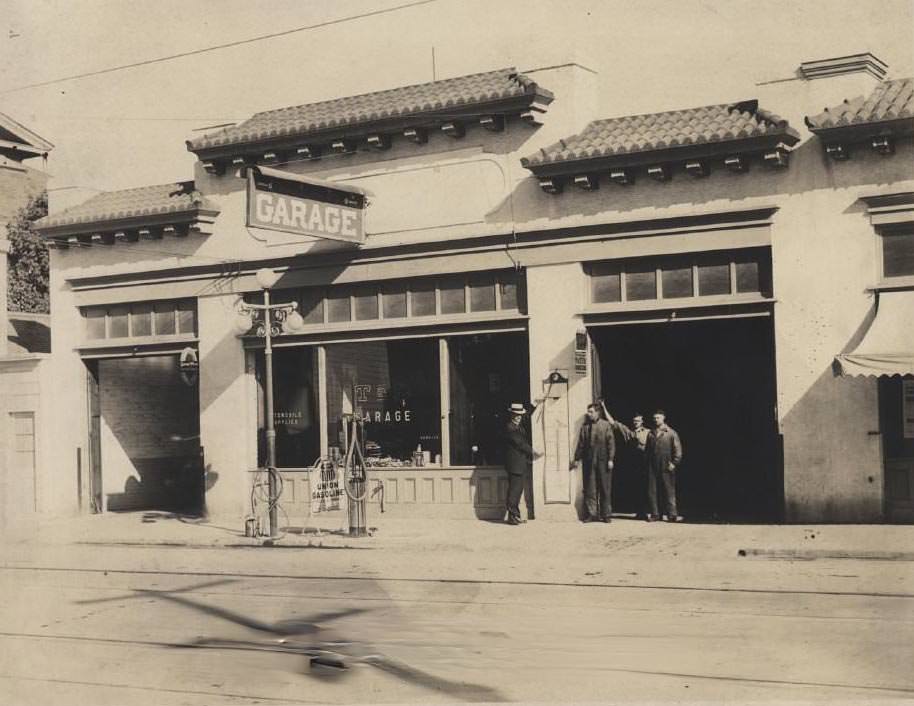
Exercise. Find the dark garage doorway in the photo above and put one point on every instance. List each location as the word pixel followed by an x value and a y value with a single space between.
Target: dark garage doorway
pixel 144 434
pixel 715 378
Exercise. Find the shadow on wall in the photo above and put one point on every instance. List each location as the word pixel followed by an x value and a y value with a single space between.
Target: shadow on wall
pixel 832 464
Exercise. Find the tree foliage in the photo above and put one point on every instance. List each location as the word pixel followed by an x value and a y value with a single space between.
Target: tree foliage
pixel 28 259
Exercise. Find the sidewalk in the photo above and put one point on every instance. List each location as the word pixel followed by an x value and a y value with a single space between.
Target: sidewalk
pixel 876 560
pixel 797 542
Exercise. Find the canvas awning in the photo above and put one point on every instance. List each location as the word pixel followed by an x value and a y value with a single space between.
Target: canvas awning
pixel 888 346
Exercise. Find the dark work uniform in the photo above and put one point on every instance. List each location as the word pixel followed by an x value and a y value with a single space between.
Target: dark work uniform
pixel 636 460
pixel 596 449
pixel 663 449
pixel 518 456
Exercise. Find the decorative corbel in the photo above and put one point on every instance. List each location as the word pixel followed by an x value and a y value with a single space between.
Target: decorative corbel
pixel 586 182
pixel 492 123
pixel 697 168
pixel 378 142
pixel 659 172
pixel 623 177
pixel 417 135
pixel 737 164
pixel 551 185
pixel 453 129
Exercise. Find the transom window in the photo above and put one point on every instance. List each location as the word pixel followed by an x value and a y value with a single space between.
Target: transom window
pixel 684 276
pixel 400 299
pixel 898 251
pixel 141 319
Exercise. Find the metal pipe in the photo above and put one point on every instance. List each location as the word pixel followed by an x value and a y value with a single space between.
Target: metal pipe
pixel 268 396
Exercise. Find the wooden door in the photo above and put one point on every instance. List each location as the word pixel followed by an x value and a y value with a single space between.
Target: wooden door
pixel 896 413
pixel 95 438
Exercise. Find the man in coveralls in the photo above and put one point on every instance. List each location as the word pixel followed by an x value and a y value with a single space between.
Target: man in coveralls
pixel 596 448
pixel 518 456
pixel 635 439
pixel 664 454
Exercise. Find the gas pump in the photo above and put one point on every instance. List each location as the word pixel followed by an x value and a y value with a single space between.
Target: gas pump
pixel 355 475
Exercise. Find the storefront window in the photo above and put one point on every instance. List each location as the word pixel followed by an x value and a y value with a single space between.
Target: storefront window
pixel 482 296
pixel 453 297
pixel 141 320
pixel 714 278
pixel 394 387
pixel 422 299
pixel 366 305
pixel 338 308
pixel 641 284
pixel 677 282
pixel 898 253
pixel 164 318
pixel 393 301
pixel 508 292
pixel 295 411
pixel 606 284
pixel 311 306
pixel 95 324
pixel 487 373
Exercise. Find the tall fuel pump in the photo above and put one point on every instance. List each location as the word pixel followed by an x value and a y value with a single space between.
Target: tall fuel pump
pixel 355 475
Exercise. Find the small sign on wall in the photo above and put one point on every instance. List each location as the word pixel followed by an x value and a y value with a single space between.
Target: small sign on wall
pixel 907 408
pixel 580 353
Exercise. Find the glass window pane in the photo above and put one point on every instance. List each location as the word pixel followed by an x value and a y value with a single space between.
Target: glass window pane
pixel 422 299
pixel 394 302
pixel 487 374
pixel 117 322
pixel 508 294
pixel 898 254
pixel 164 318
pixel 141 320
pixel 295 413
pixel 366 305
pixel 482 296
pixel 394 387
pixel 640 285
pixel 747 276
pixel 606 287
pixel 453 297
pixel 677 282
pixel 187 317
pixel 95 324
pixel 338 308
pixel 714 279
pixel 311 306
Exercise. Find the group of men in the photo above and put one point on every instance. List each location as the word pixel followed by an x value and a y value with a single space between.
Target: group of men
pixel 656 454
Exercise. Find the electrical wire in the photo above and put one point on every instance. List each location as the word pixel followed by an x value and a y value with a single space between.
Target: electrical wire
pixel 216 47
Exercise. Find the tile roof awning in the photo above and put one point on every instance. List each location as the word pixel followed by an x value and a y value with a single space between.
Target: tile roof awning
pixel 660 138
pixel 147 212
pixel 888 346
pixel 888 110
pixel 499 92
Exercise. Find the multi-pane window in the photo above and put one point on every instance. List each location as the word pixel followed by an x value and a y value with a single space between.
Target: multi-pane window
pixel 684 276
pixel 400 299
pixel 898 252
pixel 141 319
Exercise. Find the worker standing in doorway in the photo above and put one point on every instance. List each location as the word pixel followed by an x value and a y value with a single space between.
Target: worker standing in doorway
pixel 596 450
pixel 664 454
pixel 635 438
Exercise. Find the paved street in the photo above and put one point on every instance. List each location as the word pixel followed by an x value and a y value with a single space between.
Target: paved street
pixel 116 624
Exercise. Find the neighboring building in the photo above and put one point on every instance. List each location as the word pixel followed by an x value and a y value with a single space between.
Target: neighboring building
pixel 19 181
pixel 24 338
pixel 712 261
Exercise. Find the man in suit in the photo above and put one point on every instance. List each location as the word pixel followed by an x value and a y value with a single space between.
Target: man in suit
pixel 596 450
pixel 518 456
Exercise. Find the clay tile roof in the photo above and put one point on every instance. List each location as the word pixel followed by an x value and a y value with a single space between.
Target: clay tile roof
pixel 408 101
pixel 135 203
pixel 636 134
pixel 889 101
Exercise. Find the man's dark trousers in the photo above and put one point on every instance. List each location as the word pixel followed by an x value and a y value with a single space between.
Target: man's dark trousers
pixel 667 480
pixel 597 491
pixel 515 489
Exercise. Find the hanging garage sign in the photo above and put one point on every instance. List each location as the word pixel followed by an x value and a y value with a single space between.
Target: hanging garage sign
pixel 280 200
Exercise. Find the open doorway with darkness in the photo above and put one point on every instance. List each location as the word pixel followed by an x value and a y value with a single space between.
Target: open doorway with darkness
pixel 145 430
pixel 715 379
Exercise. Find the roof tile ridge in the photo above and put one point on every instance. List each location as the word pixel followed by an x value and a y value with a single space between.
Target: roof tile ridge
pixel 509 71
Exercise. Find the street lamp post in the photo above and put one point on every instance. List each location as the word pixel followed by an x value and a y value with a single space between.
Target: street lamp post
pixel 270 320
